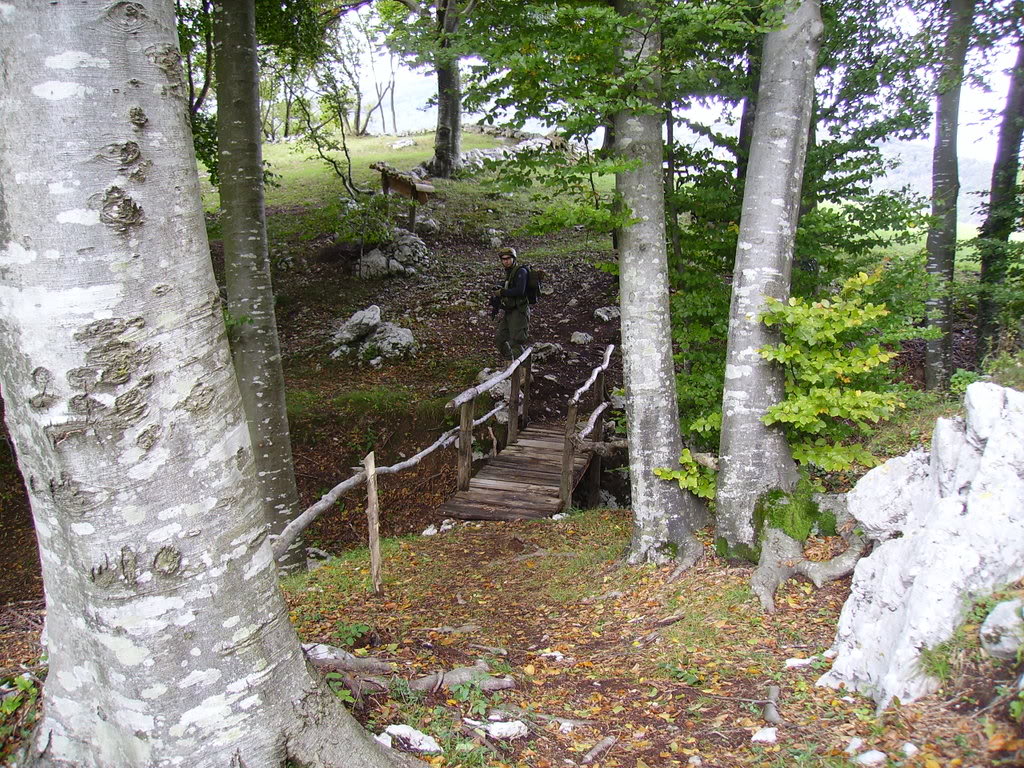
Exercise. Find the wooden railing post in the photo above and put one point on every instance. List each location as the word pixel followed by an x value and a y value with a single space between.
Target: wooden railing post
pixel 466 443
pixel 513 405
pixel 527 384
pixel 568 454
pixel 373 520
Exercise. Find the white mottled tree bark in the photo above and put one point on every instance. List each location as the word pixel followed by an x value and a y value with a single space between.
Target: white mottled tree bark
pixel 664 516
pixel 254 343
pixel 169 642
pixel 755 458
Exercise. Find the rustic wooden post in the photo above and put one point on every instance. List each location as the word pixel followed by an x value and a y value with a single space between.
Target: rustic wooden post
pixel 527 383
pixel 373 520
pixel 412 216
pixel 513 405
pixel 568 454
pixel 593 488
pixel 599 389
pixel 466 443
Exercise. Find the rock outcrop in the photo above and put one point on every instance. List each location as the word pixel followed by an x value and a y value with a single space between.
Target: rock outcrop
pixel 950 527
pixel 366 337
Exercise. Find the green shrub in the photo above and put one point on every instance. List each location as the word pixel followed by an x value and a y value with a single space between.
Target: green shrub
pixel 834 382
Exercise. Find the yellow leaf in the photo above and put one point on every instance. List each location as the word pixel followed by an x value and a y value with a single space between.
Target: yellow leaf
pixel 529 669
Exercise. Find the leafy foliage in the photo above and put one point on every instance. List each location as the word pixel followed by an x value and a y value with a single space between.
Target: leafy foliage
pixel 833 380
pixel 693 477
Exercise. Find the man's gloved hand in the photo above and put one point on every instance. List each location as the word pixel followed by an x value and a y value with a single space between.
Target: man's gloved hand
pixel 495 302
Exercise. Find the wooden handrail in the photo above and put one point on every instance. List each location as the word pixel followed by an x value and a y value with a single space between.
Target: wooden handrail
pixel 488 385
pixel 593 375
pixel 573 439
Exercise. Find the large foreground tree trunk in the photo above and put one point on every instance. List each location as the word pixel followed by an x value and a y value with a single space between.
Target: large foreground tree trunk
pixel 941 243
pixel 447 157
pixel 755 458
pixel 254 342
pixel 1004 208
pixel 664 516
pixel 169 641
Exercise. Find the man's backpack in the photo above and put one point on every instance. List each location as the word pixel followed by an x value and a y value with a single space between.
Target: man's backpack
pixel 534 277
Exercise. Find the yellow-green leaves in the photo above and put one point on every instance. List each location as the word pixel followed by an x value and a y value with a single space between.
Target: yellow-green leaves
pixel 834 389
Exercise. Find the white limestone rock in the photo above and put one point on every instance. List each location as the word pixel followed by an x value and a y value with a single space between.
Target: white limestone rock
pixel 871 757
pixel 1002 632
pixel 544 349
pixel 912 591
pixel 390 342
pixel 359 326
pixel 766 736
pixel 606 314
pixel 579 337
pixel 887 496
pixel 414 741
pixel 373 264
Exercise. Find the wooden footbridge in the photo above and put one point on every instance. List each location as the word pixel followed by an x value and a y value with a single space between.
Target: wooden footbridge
pixel 536 473
pixel 533 476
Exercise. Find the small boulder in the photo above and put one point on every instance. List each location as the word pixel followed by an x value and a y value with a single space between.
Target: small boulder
pixel 414 741
pixel 579 337
pixel 390 342
pixel 360 325
pixel 1002 632
pixel 373 264
pixel 606 314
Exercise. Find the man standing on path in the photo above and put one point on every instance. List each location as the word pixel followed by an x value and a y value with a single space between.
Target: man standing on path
pixel 514 325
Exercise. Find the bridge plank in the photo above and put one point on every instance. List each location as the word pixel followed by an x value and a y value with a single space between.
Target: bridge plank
pixel 521 482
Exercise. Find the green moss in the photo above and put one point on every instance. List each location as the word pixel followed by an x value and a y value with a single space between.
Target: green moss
pixel 740 551
pixel 794 513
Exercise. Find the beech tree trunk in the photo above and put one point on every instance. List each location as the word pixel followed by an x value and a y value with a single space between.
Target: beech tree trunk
pixel 1004 208
pixel 664 516
pixel 941 244
pixel 755 458
pixel 254 343
pixel 169 642
pixel 447 157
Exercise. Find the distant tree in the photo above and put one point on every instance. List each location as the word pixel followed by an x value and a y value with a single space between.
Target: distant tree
pixel 664 517
pixel 754 458
pixel 168 637
pixel 1004 212
pixel 432 37
pixel 957 20
pixel 250 296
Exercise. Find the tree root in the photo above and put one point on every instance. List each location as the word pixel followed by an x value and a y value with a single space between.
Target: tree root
pixel 783 556
pixel 479 674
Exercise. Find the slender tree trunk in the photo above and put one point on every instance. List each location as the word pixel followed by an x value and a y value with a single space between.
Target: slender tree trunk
pixel 749 113
pixel 671 209
pixel 664 516
pixel 254 346
pixel 755 458
pixel 447 157
pixel 168 638
pixel 1004 208
pixel 941 243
